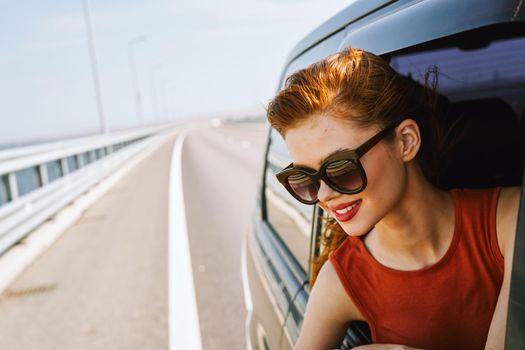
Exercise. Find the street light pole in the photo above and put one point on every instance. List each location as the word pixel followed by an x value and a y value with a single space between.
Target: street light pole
pixel 94 69
pixel 134 78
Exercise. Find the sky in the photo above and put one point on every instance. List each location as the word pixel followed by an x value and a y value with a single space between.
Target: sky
pixel 196 59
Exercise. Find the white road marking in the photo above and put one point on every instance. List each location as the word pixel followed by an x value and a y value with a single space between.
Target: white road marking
pixel 184 327
pixel 247 295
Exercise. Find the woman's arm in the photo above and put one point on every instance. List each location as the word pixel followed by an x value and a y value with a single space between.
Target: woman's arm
pixel 506 221
pixel 328 313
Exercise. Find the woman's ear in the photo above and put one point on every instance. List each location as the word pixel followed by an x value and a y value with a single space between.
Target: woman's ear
pixel 409 139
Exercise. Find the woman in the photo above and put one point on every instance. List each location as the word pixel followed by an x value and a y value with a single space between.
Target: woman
pixel 425 267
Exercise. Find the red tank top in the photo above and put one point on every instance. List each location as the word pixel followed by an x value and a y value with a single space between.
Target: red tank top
pixel 446 306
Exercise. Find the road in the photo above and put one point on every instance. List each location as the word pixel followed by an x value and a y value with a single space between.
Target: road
pixel 104 282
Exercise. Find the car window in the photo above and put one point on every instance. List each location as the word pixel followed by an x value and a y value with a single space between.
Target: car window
pixel 288 217
pixel 495 70
pixel 485 82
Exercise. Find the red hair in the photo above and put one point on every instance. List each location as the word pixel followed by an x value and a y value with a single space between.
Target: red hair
pixel 362 88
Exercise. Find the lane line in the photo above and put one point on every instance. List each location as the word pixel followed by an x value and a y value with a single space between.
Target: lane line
pixel 248 304
pixel 184 330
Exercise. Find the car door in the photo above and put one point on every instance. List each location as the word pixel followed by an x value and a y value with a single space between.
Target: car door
pixel 515 337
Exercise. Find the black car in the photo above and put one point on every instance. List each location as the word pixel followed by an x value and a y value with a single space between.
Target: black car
pixel 479 48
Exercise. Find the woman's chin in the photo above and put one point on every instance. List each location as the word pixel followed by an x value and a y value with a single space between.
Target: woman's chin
pixel 354 230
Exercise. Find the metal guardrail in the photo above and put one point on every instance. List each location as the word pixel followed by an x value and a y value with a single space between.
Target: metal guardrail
pixel 37 181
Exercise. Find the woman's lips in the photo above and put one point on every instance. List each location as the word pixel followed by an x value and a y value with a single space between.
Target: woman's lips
pixel 346 211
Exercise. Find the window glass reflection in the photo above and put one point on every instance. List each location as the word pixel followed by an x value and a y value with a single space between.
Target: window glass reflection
pixel 495 70
pixel 290 218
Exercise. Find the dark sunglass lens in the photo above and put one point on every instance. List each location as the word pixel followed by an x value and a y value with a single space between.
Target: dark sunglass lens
pixel 344 174
pixel 303 186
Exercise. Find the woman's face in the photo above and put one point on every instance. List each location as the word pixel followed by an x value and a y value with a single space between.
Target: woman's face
pixel 321 135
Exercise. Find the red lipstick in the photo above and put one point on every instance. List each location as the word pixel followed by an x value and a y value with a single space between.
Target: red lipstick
pixel 349 214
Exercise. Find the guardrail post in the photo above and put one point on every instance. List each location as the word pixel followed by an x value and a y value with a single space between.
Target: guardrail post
pixel 44 179
pixel 64 166
pixel 13 188
pixel 80 160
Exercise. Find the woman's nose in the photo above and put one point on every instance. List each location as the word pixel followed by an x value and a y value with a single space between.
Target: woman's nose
pixel 325 193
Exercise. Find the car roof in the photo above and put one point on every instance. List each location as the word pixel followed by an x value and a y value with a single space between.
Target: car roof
pixel 408 22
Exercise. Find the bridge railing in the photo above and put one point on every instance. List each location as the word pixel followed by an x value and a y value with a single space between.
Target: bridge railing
pixel 37 181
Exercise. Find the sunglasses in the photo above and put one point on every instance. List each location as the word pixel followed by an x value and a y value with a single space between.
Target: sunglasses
pixel 342 172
